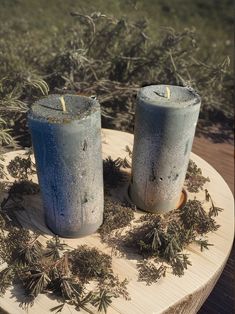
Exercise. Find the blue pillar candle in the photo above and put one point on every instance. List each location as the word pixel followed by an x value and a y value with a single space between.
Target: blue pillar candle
pixel 66 136
pixel 165 122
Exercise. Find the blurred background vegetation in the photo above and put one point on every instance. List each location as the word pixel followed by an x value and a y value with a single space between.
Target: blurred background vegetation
pixel 110 49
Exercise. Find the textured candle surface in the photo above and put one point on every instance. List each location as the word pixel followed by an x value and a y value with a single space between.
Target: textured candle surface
pixel 50 108
pixel 67 147
pixel 180 97
pixel 164 132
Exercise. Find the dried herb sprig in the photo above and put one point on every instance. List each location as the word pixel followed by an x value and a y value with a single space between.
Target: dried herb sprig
pixel 2 171
pixel 162 239
pixel 102 300
pixel 194 216
pixel 35 281
pixel 88 263
pixel 13 242
pixel 55 248
pixel 57 269
pixel 194 180
pixel 214 210
pixel 6 278
pixel 150 272
pixel 203 243
pixel 54 268
pixel 21 168
pixel 31 252
pixel 116 215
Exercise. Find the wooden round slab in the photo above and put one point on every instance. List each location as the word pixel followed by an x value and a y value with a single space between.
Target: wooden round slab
pixel 171 294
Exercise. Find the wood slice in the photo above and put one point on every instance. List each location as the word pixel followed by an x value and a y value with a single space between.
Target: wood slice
pixel 171 294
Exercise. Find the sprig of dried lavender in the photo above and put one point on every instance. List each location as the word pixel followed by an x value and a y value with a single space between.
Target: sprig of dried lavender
pixel 21 168
pixel 150 272
pixel 49 269
pixel 159 237
pixel 214 210
pixel 179 263
pixel 203 243
pixel 116 215
pixel 35 282
pixel 194 180
pixel 55 248
pixel 165 237
pixel 31 253
pixel 89 263
pixel 6 278
pixel 12 243
pixel 194 215
pixel 58 308
pixel 102 300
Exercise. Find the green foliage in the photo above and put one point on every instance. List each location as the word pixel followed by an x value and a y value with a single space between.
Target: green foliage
pixel 5 137
pixel 111 57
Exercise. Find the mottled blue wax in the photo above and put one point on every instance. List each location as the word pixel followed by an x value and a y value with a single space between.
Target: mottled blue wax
pixel 67 148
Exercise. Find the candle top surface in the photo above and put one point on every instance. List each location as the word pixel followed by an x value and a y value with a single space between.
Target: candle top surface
pixel 63 108
pixel 169 96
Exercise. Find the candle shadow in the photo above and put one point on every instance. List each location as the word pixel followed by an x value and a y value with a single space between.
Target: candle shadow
pixel 33 216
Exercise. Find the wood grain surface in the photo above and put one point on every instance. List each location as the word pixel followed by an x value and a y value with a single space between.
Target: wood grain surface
pixel 221 157
pixel 169 295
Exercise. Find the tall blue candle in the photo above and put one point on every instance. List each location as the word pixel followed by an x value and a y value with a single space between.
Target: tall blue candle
pixel 67 148
pixel 165 123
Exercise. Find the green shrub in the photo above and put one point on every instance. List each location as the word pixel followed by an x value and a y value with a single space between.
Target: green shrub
pixel 109 57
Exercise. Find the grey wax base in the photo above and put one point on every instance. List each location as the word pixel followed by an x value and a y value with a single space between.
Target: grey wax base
pixel 160 207
pixel 85 230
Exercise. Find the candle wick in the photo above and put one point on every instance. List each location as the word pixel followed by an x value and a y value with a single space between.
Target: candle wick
pixel 63 104
pixel 168 92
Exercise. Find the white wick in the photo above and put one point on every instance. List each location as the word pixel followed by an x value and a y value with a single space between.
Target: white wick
pixel 63 104
pixel 168 92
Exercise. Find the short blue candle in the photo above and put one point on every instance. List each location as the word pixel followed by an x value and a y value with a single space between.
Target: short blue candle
pixel 67 148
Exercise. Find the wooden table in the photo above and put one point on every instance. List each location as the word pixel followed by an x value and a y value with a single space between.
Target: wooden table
pixel 221 157
pixel 170 294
